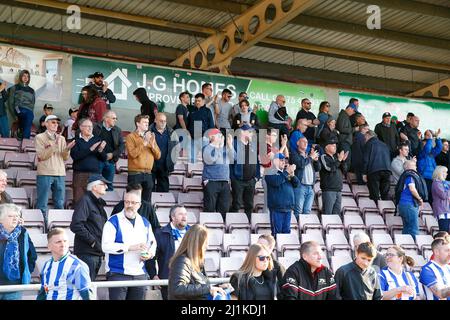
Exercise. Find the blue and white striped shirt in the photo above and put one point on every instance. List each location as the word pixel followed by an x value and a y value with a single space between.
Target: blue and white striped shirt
pixel 433 274
pixel 65 279
pixel 389 280
pixel 118 235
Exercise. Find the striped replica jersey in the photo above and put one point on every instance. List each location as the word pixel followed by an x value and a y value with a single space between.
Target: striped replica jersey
pixel 65 279
pixel 433 274
pixel 389 280
pixel 118 235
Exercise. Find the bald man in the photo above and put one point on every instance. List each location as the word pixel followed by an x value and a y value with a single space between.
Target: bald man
pixel 165 164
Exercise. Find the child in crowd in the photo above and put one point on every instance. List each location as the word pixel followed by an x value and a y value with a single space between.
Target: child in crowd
pixel 48 110
pixel 68 132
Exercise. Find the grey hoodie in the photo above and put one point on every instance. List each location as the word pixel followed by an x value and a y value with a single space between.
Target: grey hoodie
pixel 21 95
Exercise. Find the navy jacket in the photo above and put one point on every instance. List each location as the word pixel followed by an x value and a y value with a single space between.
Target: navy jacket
pixel 171 144
pixel 237 167
pixel 357 154
pixel 280 191
pixel 377 156
pixel 84 159
pixel 301 162
pixel 204 115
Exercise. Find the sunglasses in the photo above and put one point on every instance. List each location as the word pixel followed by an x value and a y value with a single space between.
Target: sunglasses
pixel 263 258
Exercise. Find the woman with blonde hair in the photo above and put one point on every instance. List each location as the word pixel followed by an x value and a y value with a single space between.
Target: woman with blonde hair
pixel 187 278
pixel 440 189
pixel 254 280
pixel 397 283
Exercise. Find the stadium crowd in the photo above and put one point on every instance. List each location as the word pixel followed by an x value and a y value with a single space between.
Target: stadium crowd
pixel 236 151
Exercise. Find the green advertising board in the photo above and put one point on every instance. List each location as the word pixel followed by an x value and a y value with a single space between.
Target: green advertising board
pixel 433 115
pixel 163 85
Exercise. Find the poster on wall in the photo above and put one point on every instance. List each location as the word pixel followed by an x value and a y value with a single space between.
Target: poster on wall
pixel 45 69
pixel 433 115
pixel 163 85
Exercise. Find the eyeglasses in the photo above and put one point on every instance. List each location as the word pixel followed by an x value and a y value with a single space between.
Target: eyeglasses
pixel 131 202
pixel 263 258
pixel 390 255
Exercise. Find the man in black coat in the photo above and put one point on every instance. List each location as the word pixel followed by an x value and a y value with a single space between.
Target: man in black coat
pixel 112 135
pixel 88 219
pixel 168 239
pixel 443 158
pixel 101 87
pixel 377 167
pixel 388 134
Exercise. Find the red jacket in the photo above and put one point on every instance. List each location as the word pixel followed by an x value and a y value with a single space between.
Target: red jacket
pixel 94 112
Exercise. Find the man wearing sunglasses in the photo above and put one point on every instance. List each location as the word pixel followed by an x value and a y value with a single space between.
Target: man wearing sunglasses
pixel 312 122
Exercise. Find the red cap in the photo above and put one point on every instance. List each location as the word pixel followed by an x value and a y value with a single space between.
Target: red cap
pixel 213 132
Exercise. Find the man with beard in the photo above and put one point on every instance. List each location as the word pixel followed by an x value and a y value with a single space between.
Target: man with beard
pixel 102 88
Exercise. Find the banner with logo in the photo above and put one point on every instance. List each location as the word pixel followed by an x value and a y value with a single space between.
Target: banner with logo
pixel 433 115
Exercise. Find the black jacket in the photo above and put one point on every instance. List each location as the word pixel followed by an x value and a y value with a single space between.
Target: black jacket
pixel 415 145
pixel 443 159
pixel 245 289
pixel 419 181
pixel 88 219
pixel 185 283
pixel 388 135
pixel 300 164
pixel 357 152
pixel 300 284
pixel 326 134
pixel 253 121
pixel 148 107
pixel 170 165
pixel 146 210
pixel 107 96
pixel 330 173
pixel 355 284
pixel 376 156
pixel 119 145
pixel 85 160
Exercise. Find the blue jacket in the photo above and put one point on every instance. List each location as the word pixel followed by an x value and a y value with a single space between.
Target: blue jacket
pixel 280 191
pixel 426 160
pixel 300 163
pixel 377 156
pixel 237 167
pixel 165 249
pixel 216 163
pixel 85 160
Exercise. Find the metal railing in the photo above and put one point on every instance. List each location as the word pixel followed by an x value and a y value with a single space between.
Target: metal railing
pixel 105 284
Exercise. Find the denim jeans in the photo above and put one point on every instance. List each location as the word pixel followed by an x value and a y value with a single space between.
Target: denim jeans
pixel 444 225
pixel 11 295
pixel 26 117
pixel 304 196
pixel 108 169
pixel 4 127
pixel 44 184
pixel 410 217
pixel 280 222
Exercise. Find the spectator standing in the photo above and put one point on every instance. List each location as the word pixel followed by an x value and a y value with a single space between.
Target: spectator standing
pixel 17 253
pixel 89 217
pixel 308 278
pixel 148 107
pixel 411 133
pixel 216 173
pixel 377 167
pixel 93 107
pixel 387 133
pixel 358 280
pixel 410 193
pixel 323 116
pixel 331 178
pixel 146 210
pixel 399 161
pixel 237 107
pixel 21 100
pixel 254 279
pixel 182 111
pixel 168 239
pixel 204 120
pixel 443 159
pixel 127 241
pixel 328 132
pixel 345 129
pixel 68 125
pixel 51 152
pixel 142 152
pixel 378 261
pixel 244 171
pixel 245 116
pixel 435 275
pixel 101 87
pixel 166 162
pixel 312 122
pixel 4 125
pixel 207 91
pixel 441 195
pixel 48 110
pixel 306 166
pixel 110 133
pixel 396 282
pixel 187 278
pixel 222 111
pixel 281 125
pixel 64 276
pixel 87 154
pixel 402 124
pixel 4 196
pixel 280 195
pixel 426 162
pixel 357 153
